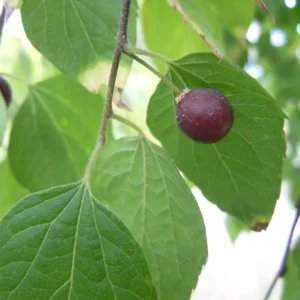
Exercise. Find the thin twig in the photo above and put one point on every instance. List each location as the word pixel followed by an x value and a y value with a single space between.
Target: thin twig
pixel 162 77
pixel 121 41
pixel 283 266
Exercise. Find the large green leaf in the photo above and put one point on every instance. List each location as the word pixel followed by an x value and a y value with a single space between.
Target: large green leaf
pixel 62 244
pixel 242 172
pixel 3 119
pixel 76 36
pixel 54 133
pixel 10 189
pixel 200 16
pixel 140 184
pixel 168 35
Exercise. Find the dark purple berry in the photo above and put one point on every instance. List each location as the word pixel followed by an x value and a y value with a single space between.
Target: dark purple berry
pixel 5 90
pixel 204 115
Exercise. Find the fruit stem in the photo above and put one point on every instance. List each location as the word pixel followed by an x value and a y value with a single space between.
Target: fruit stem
pixel 162 77
pixel 107 113
pixel 138 51
pixel 127 122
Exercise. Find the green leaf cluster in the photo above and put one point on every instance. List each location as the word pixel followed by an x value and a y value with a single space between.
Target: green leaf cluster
pixel 132 229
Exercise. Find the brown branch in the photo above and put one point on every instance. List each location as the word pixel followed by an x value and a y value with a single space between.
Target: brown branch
pixel 107 113
pixel 121 41
pixel 283 266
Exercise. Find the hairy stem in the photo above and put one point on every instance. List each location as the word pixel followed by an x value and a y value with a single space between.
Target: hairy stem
pixel 121 41
pixel 283 266
pixel 107 113
pixel 162 77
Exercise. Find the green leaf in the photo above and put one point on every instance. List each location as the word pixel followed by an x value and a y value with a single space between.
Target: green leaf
pixel 242 172
pixel 10 189
pixel 78 37
pixel 54 133
pixel 234 13
pixel 62 244
pixel 169 35
pixel 200 16
pixel 140 184
pixel 3 118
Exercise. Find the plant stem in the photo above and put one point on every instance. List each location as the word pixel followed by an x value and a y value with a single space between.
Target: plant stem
pixel 283 266
pixel 162 77
pixel 107 113
pixel 121 41
pixel 138 51
pixel 127 122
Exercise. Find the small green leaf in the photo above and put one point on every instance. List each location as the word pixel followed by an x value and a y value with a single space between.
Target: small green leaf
pixel 3 119
pixel 54 133
pixel 78 37
pixel 140 184
pixel 62 244
pixel 241 173
pixel 200 16
pixel 11 191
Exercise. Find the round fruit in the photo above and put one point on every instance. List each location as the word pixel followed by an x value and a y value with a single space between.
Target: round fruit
pixel 204 115
pixel 5 90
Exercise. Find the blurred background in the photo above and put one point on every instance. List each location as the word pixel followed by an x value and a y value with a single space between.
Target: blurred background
pixel 241 264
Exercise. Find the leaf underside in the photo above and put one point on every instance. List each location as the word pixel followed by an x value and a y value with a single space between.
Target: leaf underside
pixel 139 182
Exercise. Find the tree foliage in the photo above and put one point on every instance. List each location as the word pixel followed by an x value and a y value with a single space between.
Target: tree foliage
pixel 92 216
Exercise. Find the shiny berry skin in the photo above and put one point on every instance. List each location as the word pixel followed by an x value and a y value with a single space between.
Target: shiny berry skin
pixel 204 115
pixel 5 90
